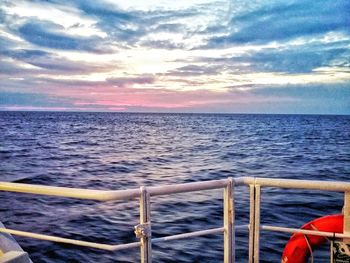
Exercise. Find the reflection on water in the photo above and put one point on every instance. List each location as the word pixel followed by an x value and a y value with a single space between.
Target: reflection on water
pixel 120 151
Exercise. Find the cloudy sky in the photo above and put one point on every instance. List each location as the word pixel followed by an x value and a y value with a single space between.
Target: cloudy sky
pixel 256 56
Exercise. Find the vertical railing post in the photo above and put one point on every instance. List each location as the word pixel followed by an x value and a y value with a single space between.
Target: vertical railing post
pixel 346 212
pixel 257 224
pixel 229 217
pixel 251 222
pixel 145 219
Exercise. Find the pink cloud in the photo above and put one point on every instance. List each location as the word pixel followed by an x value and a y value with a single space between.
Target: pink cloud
pixel 105 97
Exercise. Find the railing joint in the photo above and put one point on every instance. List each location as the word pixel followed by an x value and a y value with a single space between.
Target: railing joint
pixel 143 230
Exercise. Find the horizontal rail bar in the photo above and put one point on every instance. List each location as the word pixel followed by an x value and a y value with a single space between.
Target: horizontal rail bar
pixel 101 195
pixel 293 183
pixel 189 235
pixel 187 187
pixel 303 231
pixel 106 246
pixel 98 195
pixel 69 241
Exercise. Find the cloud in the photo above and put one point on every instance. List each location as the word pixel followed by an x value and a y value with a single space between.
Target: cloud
pixel 169 27
pixel 49 63
pixel 163 100
pixel 31 54
pixel 162 44
pixel 194 70
pixel 130 81
pixel 132 27
pixel 294 56
pixel 103 10
pixel 295 59
pixel 8 68
pixel 285 20
pixel 5 42
pixel 50 35
pixel 48 85
pixel 123 28
pixel 219 57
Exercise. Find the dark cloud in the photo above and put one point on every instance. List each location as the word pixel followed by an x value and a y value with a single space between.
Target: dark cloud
pixel 50 35
pixel 289 58
pixel 49 63
pixel 294 59
pixel 232 64
pixel 129 81
pixel 127 27
pixel 5 42
pixel 162 44
pixel 72 83
pixel 194 70
pixel 169 27
pixel 101 9
pixel 24 53
pixel 286 21
pixel 8 68
pixel 124 28
pixel 120 25
pixel 2 16
pixel 63 66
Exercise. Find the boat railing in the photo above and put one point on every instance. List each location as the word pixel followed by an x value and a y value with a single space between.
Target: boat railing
pixel 143 230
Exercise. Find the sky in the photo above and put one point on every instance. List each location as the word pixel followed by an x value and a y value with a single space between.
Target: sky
pixel 238 56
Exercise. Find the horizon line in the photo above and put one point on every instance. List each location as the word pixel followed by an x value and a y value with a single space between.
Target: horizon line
pixel 198 113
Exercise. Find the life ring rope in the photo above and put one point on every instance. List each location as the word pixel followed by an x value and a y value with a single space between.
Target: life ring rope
pixel 310 249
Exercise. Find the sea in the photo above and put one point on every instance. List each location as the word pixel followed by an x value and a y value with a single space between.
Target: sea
pixel 114 151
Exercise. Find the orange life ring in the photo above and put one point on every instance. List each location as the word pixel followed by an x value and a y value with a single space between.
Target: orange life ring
pixel 297 249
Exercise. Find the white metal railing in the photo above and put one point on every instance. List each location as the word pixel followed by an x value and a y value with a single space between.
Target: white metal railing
pixel 143 230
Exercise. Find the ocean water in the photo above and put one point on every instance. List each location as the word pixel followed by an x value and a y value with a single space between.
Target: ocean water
pixel 126 150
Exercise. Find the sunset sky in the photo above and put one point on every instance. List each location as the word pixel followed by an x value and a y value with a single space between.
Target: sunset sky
pixel 235 56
